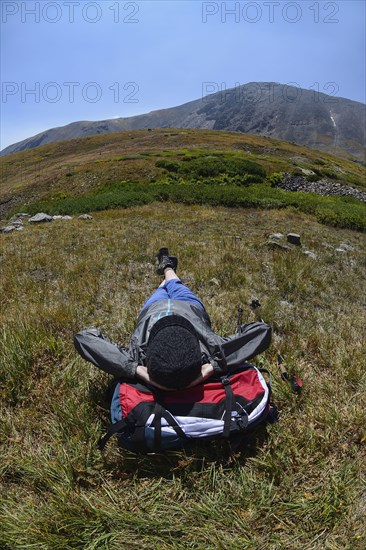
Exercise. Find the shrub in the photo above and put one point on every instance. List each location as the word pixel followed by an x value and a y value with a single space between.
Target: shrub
pixel 334 211
pixel 168 165
pixel 329 174
pixel 312 177
pixel 213 166
pixel 275 178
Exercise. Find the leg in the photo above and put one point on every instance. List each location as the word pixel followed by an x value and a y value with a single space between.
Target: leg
pixel 161 293
pixel 178 291
pixel 171 287
pixel 169 274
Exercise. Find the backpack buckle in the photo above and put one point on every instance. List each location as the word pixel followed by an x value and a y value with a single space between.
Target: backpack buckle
pixel 225 381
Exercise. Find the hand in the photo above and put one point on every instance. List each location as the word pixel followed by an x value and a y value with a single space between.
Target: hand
pixel 206 371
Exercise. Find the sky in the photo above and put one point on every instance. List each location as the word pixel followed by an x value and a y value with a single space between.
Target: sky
pixel 64 61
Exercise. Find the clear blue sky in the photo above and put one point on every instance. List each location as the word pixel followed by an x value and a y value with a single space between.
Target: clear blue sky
pixel 87 60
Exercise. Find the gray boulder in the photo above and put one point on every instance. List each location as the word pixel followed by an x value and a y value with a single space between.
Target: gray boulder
pixel 276 236
pixel 346 247
pixel 310 254
pixel 22 215
pixel 274 245
pixel 85 217
pixel 294 238
pixel 8 229
pixel 41 217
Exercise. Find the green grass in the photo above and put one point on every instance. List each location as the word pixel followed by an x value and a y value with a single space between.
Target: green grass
pixel 300 484
pixel 335 211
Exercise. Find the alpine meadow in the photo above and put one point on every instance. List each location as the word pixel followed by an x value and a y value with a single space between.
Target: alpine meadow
pixel 219 202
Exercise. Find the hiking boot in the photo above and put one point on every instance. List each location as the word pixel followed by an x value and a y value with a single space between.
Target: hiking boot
pixel 164 261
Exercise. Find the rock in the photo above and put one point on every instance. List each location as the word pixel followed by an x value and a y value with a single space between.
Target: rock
pixel 22 215
pixel 215 281
pixel 346 247
pixel 276 236
pixel 294 238
pixel 66 217
pixel 307 172
pixel 8 229
pixel 85 217
pixel 17 223
pixel 20 228
pixel 342 250
pixel 274 245
pixel 310 254
pixel 57 217
pixel 41 217
pixel 293 182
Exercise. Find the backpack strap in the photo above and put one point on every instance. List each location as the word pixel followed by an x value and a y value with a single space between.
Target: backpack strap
pixel 156 424
pixel 173 424
pixel 115 428
pixel 160 413
pixel 229 405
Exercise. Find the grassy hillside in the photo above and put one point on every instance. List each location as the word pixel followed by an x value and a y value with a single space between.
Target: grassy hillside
pixel 198 166
pixel 300 484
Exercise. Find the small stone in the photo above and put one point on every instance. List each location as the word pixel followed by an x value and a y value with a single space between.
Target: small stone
pixel 20 228
pixel 341 250
pixel 85 217
pixel 57 217
pixel 22 215
pixel 346 247
pixel 310 254
pixel 294 238
pixel 276 236
pixel 274 245
pixel 8 229
pixel 17 223
pixel 215 281
pixel 66 217
pixel 41 217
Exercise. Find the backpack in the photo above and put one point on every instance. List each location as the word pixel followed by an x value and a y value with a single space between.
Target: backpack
pixel 148 420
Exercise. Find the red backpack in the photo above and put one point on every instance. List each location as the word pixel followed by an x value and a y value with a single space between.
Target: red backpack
pixel 149 420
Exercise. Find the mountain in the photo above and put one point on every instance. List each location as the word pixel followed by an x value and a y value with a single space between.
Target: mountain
pixel 328 123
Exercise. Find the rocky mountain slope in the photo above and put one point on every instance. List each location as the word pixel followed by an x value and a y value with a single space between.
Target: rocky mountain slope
pixel 305 117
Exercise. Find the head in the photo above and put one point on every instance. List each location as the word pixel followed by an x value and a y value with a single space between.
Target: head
pixel 173 355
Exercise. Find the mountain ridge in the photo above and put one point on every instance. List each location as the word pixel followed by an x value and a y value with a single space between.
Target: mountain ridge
pixel 317 120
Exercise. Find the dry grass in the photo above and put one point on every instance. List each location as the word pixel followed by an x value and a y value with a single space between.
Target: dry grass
pixel 301 485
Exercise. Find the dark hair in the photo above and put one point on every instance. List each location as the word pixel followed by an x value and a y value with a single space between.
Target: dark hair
pixel 173 355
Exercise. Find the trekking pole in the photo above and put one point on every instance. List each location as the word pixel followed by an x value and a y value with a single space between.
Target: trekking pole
pixel 294 381
pixel 240 318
